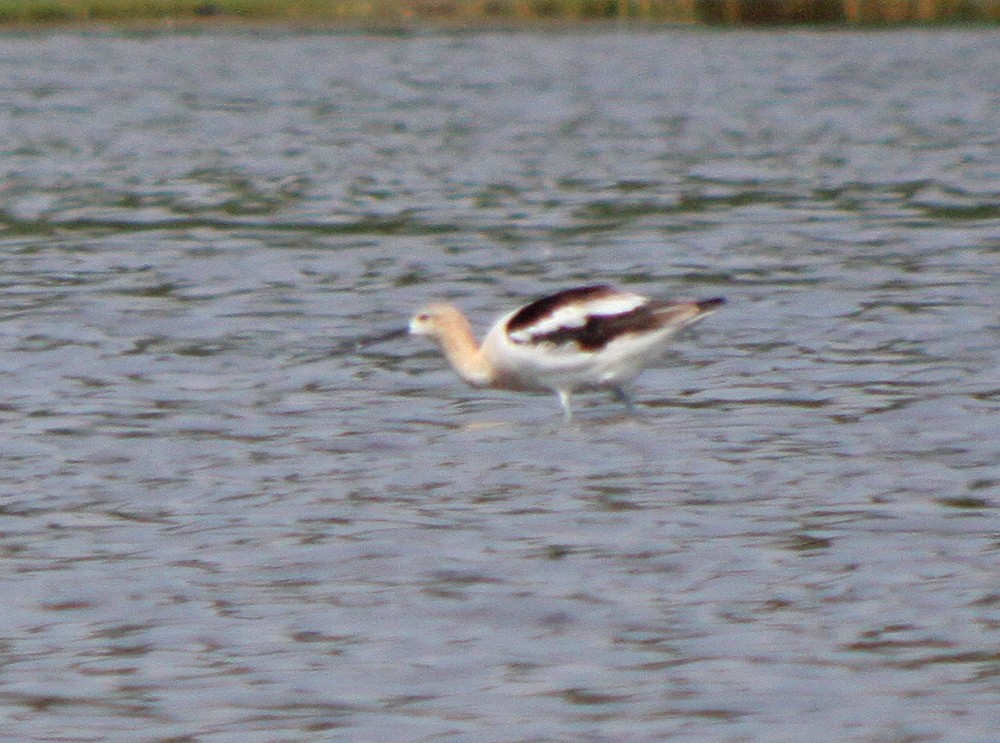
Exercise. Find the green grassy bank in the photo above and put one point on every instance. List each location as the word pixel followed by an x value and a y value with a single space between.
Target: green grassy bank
pixel 402 13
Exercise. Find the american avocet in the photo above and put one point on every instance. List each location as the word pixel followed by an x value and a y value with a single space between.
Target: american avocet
pixel 591 337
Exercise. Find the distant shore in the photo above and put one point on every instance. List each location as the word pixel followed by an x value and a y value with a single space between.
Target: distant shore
pixel 403 14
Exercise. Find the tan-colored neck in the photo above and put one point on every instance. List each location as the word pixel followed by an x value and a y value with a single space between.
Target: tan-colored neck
pixel 463 351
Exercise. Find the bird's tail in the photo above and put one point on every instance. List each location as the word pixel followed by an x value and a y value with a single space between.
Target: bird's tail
pixel 710 305
pixel 682 314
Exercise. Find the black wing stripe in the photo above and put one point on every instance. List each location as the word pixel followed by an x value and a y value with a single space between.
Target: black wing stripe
pixel 532 313
pixel 600 330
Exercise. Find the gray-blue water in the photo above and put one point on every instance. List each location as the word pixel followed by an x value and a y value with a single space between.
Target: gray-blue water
pixel 212 530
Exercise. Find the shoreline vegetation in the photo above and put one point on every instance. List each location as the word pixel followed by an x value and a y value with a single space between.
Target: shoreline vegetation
pixel 404 14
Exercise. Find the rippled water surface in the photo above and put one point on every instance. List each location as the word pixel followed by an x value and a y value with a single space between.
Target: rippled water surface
pixel 212 528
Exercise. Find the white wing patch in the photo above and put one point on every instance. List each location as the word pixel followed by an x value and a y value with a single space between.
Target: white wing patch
pixel 575 315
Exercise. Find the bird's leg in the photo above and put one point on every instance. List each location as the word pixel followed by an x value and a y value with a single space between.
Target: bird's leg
pixel 624 398
pixel 565 402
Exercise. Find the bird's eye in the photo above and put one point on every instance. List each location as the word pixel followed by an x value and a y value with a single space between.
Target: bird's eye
pixel 423 317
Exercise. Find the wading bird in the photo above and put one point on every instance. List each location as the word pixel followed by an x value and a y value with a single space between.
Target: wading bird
pixel 591 337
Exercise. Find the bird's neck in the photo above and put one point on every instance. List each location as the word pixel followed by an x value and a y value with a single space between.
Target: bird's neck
pixel 465 354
